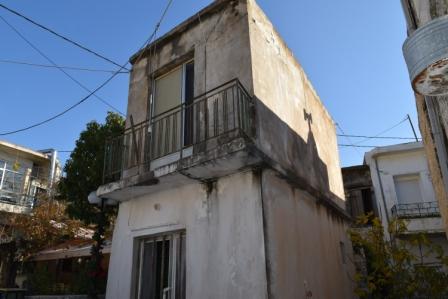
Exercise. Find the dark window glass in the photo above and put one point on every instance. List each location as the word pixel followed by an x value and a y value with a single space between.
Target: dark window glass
pixel 189 97
pixel 161 267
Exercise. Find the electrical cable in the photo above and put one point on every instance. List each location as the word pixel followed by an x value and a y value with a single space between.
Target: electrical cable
pixel 382 132
pixel 55 65
pixel 348 138
pixel 59 66
pixel 96 89
pixel 60 36
pixel 376 137
pixel 356 146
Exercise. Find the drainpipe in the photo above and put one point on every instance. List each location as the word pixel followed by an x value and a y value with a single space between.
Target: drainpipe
pixel 386 210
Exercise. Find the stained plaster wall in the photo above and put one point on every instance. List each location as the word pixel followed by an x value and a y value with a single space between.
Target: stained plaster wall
pixel 304 257
pixel 430 133
pixel 219 44
pixel 283 93
pixel 224 233
pixel 432 111
pixel 419 12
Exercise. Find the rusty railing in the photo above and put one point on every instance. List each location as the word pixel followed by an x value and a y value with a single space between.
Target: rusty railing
pixel 416 210
pixel 222 111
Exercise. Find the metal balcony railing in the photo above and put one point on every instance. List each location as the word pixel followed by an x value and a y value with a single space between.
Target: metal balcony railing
pixel 15 198
pixel 416 210
pixel 226 110
pixel 20 187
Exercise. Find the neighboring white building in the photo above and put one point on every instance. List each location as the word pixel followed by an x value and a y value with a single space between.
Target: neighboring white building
pixel 227 176
pixel 403 189
pixel 24 174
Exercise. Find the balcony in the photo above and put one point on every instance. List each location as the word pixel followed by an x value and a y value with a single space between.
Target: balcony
pixel 420 217
pixel 16 198
pixel 20 188
pixel 416 210
pixel 214 125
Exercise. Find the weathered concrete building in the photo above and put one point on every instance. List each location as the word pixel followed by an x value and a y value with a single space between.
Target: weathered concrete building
pixel 426 54
pixel 227 176
pixel 403 188
pixel 394 183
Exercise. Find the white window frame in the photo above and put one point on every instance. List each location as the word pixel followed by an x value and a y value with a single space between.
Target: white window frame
pixel 174 237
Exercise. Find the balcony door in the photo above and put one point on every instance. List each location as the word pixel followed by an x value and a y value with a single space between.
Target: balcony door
pixel 172 114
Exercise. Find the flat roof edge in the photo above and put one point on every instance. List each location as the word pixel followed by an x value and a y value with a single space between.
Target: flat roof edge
pixel 182 27
pixel 23 149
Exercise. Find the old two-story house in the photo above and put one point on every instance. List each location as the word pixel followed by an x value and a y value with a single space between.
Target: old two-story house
pixel 404 190
pixel 24 173
pixel 227 176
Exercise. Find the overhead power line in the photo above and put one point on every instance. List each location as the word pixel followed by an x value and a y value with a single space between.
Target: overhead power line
pixel 61 36
pixel 376 137
pixel 348 138
pixel 356 146
pixel 382 132
pixel 59 66
pixel 62 112
pixel 55 65
pixel 99 87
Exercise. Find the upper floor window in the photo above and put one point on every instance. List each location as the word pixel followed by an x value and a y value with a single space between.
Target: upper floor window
pixel 407 188
pixel 171 123
pixel 173 88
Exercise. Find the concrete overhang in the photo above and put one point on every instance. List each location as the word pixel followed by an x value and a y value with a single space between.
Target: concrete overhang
pixel 426 55
pixel 203 167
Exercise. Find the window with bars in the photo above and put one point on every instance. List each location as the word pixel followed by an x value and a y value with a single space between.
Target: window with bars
pixel 160 267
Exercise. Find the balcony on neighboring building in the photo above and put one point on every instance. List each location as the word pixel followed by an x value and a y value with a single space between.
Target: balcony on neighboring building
pixel 19 186
pixel 420 217
pixel 416 210
pixel 203 139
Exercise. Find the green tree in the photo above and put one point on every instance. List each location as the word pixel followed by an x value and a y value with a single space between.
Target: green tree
pixel 83 174
pixel 396 268
pixel 84 169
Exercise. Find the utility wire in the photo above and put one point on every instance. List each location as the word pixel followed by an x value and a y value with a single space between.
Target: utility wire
pixel 55 65
pixel 348 138
pixel 382 132
pixel 99 87
pixel 59 66
pixel 61 36
pixel 356 146
pixel 376 137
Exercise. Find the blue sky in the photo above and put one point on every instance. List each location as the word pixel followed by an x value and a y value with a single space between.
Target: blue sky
pixel 351 51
